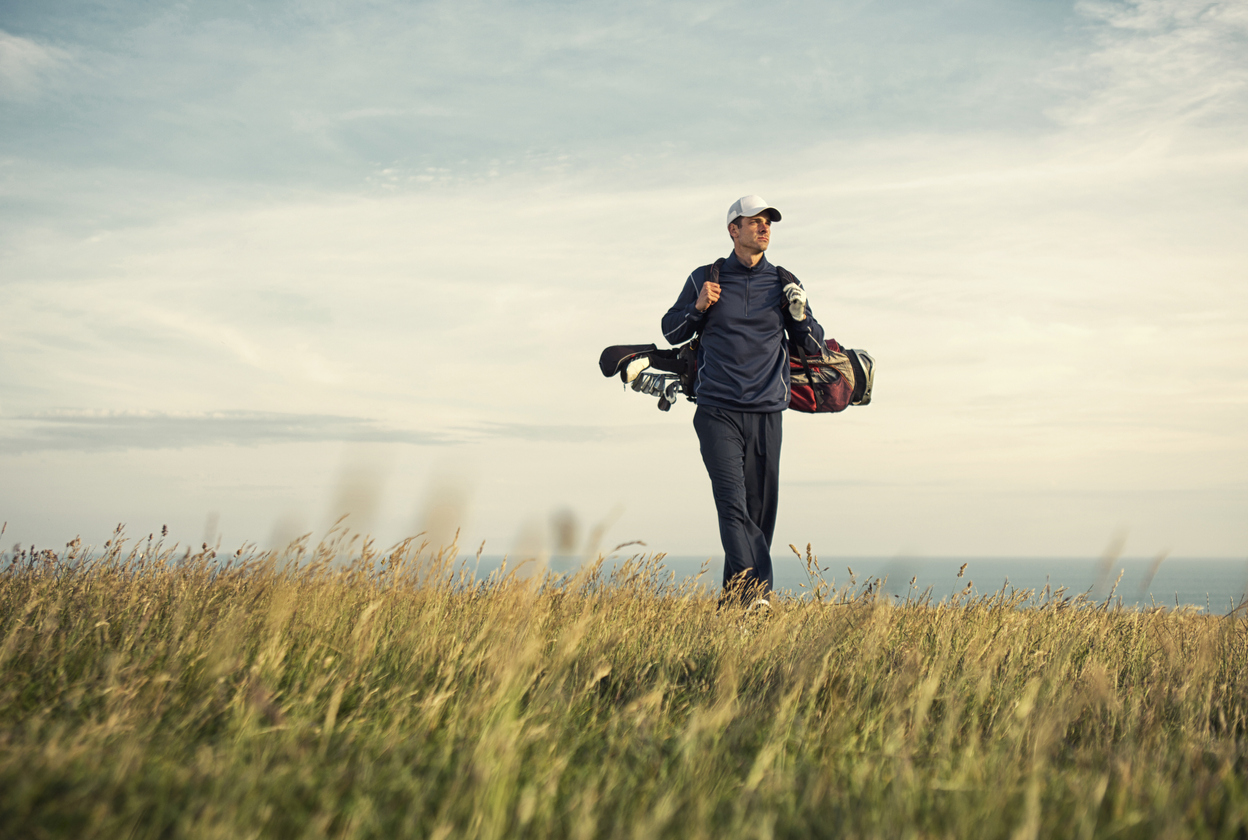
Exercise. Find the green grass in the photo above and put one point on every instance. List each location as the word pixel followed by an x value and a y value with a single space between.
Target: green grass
pixel 156 693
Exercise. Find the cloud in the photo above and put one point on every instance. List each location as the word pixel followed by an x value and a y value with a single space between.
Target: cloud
pixel 434 219
pixel 1160 64
pixel 26 65
pixel 544 433
pixel 340 93
pixel 92 431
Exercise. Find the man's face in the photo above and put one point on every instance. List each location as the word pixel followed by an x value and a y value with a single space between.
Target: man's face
pixel 753 234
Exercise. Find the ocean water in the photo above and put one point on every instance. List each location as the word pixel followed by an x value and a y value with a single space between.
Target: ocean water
pixel 1213 584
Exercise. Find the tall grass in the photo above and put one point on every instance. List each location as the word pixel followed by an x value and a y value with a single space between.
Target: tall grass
pixel 151 692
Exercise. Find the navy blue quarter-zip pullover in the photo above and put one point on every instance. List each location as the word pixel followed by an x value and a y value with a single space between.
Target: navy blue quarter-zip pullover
pixel 743 359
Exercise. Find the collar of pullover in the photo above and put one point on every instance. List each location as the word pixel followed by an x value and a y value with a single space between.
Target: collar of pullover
pixel 733 264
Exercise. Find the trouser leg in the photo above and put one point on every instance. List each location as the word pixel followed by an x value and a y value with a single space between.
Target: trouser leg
pixel 741 452
pixel 762 484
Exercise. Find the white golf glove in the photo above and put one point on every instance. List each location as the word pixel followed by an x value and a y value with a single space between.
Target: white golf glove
pixel 797 301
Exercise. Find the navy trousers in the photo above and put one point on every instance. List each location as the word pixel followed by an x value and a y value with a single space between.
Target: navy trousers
pixel 741 451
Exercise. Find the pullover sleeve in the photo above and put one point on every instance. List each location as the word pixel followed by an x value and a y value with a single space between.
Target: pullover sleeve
pixel 684 320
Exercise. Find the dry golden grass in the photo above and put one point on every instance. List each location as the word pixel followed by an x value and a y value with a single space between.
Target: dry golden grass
pixel 155 693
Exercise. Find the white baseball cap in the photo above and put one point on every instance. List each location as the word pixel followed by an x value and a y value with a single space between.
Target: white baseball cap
pixel 752 205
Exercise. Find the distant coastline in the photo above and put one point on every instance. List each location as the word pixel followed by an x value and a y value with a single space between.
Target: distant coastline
pixel 1215 584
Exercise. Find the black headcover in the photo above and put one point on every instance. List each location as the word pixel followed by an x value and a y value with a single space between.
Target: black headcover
pixel 615 358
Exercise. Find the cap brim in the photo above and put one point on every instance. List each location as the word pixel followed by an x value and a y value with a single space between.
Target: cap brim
pixel 770 212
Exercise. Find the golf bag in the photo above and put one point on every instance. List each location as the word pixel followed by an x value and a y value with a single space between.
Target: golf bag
pixel 832 381
pixel 828 382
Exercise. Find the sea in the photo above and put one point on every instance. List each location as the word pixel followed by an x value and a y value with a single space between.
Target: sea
pixel 1213 585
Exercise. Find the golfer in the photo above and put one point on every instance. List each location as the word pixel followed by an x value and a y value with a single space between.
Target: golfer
pixel 742 387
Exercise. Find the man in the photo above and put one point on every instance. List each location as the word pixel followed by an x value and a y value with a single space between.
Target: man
pixel 742 387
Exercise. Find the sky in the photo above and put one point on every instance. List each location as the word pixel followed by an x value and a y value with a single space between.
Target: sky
pixel 262 265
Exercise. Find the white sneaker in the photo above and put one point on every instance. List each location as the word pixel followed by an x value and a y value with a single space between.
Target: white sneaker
pixel 756 614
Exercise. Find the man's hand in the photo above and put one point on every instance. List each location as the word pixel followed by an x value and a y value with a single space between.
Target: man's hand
pixel 708 295
pixel 797 301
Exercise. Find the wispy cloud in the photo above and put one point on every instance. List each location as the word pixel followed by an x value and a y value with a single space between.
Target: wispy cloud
pixel 26 65
pixel 1159 65
pixel 91 431
pixel 344 91
pixel 557 433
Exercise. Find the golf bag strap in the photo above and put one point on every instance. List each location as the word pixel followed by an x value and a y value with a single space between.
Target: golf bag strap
pixel 712 270
pixel 786 277
pixel 710 275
